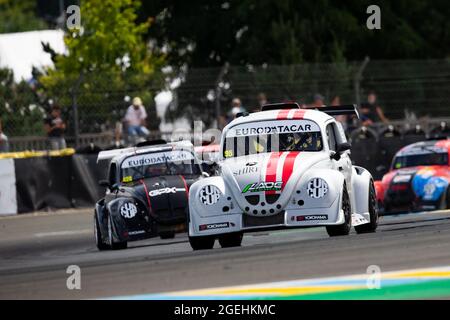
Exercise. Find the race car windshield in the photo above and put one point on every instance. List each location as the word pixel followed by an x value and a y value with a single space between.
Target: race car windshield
pixel 426 159
pixel 241 146
pixel 158 164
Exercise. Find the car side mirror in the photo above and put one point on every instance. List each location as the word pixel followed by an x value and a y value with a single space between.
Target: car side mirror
pixel 343 147
pixel 335 155
pixel 104 183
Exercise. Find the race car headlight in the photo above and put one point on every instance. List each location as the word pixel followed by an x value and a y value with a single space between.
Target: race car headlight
pixel 209 195
pixel 317 188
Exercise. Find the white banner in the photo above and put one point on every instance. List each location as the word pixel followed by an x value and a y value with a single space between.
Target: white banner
pixel 8 199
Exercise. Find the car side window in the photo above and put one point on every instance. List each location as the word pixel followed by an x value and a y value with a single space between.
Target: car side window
pixel 331 137
pixel 112 173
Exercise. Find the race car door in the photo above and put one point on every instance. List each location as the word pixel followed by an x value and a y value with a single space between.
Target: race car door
pixel 344 163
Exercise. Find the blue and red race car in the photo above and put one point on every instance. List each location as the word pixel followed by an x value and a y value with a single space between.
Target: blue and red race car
pixel 419 178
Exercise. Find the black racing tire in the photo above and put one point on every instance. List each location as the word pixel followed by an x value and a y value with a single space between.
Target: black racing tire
pixel 446 201
pixel 115 245
pixel 202 243
pixel 373 211
pixel 167 235
pixel 101 245
pixel 342 229
pixel 231 240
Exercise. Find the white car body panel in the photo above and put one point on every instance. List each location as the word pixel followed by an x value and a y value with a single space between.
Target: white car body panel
pixel 292 206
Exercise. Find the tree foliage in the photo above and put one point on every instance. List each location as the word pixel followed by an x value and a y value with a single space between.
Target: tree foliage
pixel 107 60
pixel 21 108
pixel 19 16
pixel 208 33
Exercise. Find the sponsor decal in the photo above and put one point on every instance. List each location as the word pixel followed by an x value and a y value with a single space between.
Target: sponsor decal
pixel 402 178
pixel 263 186
pixel 156 158
pixel 209 195
pixel 158 192
pixel 317 188
pixel 251 164
pixel 211 226
pixel 429 189
pixel 128 210
pixel 245 170
pixel 273 127
pixel 127 179
pixel 134 233
pixel 312 217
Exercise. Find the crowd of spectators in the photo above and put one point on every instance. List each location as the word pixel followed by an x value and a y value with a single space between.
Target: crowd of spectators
pixel 134 123
pixel 370 110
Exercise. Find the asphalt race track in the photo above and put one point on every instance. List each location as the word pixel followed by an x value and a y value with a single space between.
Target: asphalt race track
pixel 35 251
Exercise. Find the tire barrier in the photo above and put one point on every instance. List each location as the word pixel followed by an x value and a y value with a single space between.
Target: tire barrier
pixel 374 149
pixel 50 182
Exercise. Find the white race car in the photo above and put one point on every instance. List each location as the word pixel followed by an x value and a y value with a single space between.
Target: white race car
pixel 282 167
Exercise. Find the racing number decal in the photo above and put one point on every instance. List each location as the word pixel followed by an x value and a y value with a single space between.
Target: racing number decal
pixel 317 188
pixel 128 210
pixel 209 195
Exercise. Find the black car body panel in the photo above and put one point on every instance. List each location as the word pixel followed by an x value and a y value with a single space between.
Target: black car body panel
pixel 145 207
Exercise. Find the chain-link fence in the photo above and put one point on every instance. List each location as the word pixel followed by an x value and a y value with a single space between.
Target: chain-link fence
pixel 94 104
pixel 403 87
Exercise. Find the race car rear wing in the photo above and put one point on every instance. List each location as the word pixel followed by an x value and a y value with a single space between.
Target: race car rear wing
pixel 339 110
pixel 330 110
pixel 109 154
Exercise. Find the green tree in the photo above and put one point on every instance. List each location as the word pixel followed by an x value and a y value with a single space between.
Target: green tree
pixel 107 60
pixel 18 16
pixel 20 108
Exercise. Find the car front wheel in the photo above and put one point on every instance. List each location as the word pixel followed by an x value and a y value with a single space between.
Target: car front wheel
pixel 98 236
pixel 342 229
pixel 202 243
pixel 231 240
pixel 114 245
pixel 373 211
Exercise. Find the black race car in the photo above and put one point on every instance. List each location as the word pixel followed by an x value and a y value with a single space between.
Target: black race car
pixel 147 193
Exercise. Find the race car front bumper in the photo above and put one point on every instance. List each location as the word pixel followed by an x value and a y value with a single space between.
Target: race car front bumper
pixel 241 222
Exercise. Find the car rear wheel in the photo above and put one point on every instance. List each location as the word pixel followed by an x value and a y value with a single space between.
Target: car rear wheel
pixel 98 236
pixel 202 243
pixel 373 211
pixel 114 245
pixel 231 240
pixel 343 229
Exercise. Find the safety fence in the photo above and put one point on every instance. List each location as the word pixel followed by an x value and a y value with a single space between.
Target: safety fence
pixel 96 103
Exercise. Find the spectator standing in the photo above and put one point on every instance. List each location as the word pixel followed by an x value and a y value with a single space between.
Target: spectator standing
pixel 262 99
pixel 343 119
pixel 55 126
pixel 4 147
pixel 236 107
pixel 135 119
pixel 371 111
pixel 318 101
